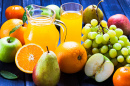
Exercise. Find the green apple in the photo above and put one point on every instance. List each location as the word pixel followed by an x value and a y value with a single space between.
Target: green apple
pixel 56 9
pixel 99 67
pixel 8 49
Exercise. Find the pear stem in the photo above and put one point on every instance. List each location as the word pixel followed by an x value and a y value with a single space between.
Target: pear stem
pixel 47 49
pixel 97 9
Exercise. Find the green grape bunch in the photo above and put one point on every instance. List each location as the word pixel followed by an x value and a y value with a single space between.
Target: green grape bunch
pixel 111 42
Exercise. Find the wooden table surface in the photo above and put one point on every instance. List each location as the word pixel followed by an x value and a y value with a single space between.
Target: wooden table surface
pixel 109 8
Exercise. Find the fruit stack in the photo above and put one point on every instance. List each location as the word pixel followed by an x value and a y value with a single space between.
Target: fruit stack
pixel 105 49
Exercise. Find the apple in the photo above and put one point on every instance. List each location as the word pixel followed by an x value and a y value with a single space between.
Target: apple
pixel 56 9
pixel 8 49
pixel 121 21
pixel 99 67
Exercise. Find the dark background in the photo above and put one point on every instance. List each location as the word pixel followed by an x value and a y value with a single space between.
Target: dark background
pixel 109 8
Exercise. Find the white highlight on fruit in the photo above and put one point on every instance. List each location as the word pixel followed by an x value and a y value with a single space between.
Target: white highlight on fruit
pixel 31 57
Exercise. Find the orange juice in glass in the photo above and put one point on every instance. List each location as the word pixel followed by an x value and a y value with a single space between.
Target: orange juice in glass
pixel 41 28
pixel 71 15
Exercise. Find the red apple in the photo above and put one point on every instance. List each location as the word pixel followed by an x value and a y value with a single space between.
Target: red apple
pixel 121 21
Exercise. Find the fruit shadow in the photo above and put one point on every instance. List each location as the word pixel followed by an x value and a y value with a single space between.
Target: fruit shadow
pixel 68 79
pixel 11 67
pixel 88 81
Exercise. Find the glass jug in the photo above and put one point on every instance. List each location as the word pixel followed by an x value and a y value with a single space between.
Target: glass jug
pixel 41 28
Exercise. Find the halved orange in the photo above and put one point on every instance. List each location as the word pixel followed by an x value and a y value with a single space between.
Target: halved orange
pixel 27 57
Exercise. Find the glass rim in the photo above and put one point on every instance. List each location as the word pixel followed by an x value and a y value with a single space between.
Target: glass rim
pixel 72 3
pixel 31 17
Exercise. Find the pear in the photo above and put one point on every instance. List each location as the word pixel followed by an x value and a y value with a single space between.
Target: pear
pixel 92 12
pixel 47 71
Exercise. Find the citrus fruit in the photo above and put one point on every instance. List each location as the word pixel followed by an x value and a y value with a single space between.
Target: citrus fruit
pixel 9 25
pixel 122 77
pixel 71 57
pixel 27 57
pixel 14 12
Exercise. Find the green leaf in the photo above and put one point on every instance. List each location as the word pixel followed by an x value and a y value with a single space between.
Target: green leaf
pixel 8 75
pixel 14 29
pixel 24 18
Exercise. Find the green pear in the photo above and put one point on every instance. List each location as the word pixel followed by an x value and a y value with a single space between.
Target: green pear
pixel 47 71
pixel 90 13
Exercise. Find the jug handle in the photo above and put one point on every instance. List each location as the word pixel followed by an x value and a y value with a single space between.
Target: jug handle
pixel 58 22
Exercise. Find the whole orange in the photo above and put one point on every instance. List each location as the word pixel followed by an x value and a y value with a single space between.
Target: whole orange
pixel 9 25
pixel 14 11
pixel 122 77
pixel 71 57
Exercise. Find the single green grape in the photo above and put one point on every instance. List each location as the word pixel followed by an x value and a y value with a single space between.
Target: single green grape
pixel 114 40
pixel 106 37
pixel 103 23
pixel 128 59
pixel 94 22
pixel 84 37
pixel 88 24
pixel 94 44
pixel 121 42
pixel 92 35
pixel 120 58
pixel 95 50
pixel 119 32
pixel 128 50
pixel 123 38
pixel 104 49
pixel 111 33
pixel 87 43
pixel 94 28
pixel 86 30
pixel 117 46
pixel 99 39
pixel 112 27
pixel 124 51
pixel 112 53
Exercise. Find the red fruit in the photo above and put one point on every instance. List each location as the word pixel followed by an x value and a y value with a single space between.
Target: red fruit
pixel 121 21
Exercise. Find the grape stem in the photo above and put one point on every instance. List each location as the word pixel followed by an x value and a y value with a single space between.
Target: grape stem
pixel 97 9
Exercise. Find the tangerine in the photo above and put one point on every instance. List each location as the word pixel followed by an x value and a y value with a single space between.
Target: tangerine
pixel 71 57
pixel 14 11
pixel 122 77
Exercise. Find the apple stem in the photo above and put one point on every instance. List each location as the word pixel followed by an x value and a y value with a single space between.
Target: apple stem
pixel 97 9
pixel 47 49
pixel 9 41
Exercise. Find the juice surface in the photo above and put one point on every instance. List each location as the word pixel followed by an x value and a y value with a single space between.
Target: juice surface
pixel 42 34
pixel 73 22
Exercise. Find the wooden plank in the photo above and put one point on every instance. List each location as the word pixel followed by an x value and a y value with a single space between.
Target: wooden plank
pixel 125 4
pixel 86 3
pixel 111 7
pixel 28 2
pixel 0 12
pixel 48 2
pixel 11 67
pixel 66 1
pixel 7 3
